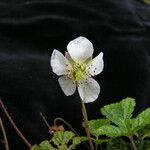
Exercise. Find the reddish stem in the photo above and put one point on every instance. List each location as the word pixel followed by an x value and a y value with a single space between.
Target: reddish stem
pixel 14 125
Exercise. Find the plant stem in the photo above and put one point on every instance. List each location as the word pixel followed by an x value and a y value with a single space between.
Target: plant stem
pixel 96 143
pixel 132 143
pixel 44 119
pixel 86 126
pixel 14 125
pixel 4 134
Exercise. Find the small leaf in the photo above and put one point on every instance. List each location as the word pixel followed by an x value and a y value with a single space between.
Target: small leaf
pixel 141 120
pixel 76 141
pixel 35 147
pixel 83 138
pixel 62 137
pixel 95 126
pixel 120 113
pixel 45 145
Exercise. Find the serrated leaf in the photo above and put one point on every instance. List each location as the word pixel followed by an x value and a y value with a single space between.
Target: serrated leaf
pixel 75 141
pixel 120 113
pixel 35 147
pixel 112 131
pixel 95 126
pixel 62 137
pixel 45 145
pixel 141 120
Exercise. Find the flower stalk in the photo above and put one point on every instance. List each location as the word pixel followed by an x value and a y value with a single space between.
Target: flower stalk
pixel 86 126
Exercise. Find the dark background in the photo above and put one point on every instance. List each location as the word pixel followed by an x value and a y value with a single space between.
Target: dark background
pixel 30 30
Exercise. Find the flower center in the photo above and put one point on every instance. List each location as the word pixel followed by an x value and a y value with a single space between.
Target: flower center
pixel 78 72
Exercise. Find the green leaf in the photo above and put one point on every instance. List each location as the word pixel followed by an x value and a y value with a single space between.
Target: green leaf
pixel 118 144
pixel 141 120
pixel 35 147
pixel 63 147
pixel 45 145
pixel 61 137
pixel 100 141
pixel 76 141
pixel 144 132
pixel 83 138
pixel 143 145
pixel 147 1
pixel 95 126
pixel 120 113
pixel 112 131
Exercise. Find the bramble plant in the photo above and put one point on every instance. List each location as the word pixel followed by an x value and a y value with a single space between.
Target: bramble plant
pixel 118 123
pixel 117 130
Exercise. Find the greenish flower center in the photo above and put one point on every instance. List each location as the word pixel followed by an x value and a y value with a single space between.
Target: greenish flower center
pixel 79 73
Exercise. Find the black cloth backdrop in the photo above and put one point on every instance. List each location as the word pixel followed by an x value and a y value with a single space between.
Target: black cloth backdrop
pixel 30 30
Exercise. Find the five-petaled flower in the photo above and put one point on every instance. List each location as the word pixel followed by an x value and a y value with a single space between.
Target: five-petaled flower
pixel 77 68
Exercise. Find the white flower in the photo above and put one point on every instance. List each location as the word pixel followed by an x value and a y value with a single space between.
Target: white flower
pixel 77 68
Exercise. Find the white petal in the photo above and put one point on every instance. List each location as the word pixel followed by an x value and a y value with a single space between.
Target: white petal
pixel 89 91
pixel 96 65
pixel 67 85
pixel 58 63
pixel 80 49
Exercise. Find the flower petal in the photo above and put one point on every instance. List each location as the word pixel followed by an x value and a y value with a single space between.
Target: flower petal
pixel 96 65
pixel 80 49
pixel 89 90
pixel 67 85
pixel 58 62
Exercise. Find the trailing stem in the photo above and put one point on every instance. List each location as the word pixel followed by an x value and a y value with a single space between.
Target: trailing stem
pixel 86 126
pixel 14 125
pixel 64 121
pixel 4 134
pixel 132 143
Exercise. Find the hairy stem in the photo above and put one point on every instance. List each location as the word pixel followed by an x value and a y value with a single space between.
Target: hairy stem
pixel 4 134
pixel 86 126
pixel 14 125
pixel 132 143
